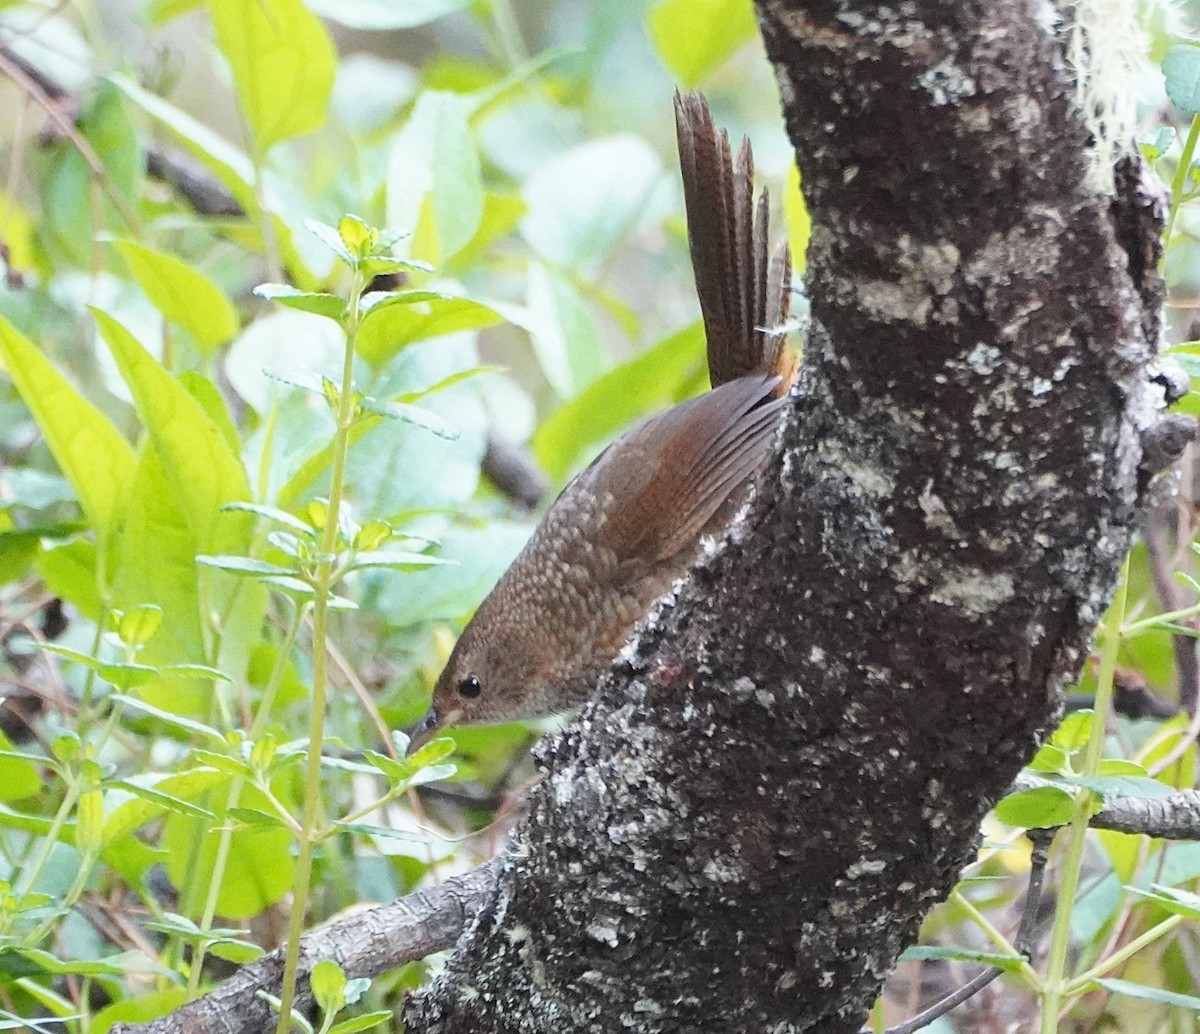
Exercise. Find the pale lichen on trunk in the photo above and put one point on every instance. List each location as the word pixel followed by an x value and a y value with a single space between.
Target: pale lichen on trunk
pixel 746 826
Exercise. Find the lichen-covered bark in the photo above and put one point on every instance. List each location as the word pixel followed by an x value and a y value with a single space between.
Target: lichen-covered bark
pixel 789 769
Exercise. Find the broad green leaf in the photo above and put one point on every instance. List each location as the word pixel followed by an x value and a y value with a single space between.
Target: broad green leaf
pixel 19 776
pixel 185 296
pixel 394 327
pixel 204 473
pixel 156 564
pixel 653 380
pixel 154 796
pixel 141 1008
pixel 385 14
pixel 283 65
pixel 695 37
pixel 566 339
pixel 92 455
pixel 1039 808
pixel 1150 994
pixel 434 174
pixel 1181 70
pixel 584 203
pixel 259 870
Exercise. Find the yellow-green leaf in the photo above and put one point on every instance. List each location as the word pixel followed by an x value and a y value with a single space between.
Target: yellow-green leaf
pixel 202 469
pixel 799 224
pixel 185 296
pixel 283 65
pixel 695 37
pixel 92 455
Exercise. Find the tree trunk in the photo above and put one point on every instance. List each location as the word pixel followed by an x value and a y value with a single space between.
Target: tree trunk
pixel 745 828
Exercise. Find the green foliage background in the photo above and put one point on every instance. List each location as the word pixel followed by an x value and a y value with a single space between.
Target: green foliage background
pixel 170 440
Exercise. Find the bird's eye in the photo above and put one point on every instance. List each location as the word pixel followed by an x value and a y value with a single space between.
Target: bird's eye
pixel 470 687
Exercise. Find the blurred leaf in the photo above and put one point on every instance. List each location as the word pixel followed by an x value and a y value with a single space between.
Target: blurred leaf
pixel 365 1022
pixel 385 14
pixel 799 223
pixel 582 204
pixel 283 65
pixel 328 984
pixel 69 571
pixel 433 173
pixel 1172 899
pixel 695 37
pixel 644 384
pixel 414 415
pixel 1150 994
pixel 91 454
pixel 1074 731
pixel 19 777
pixel 936 952
pixel 203 472
pixel 1181 72
pixel 394 327
pixel 566 340
pixel 155 795
pixel 185 296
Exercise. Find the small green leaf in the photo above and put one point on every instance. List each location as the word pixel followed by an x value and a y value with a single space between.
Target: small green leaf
pixel 360 239
pixel 1049 758
pixel 328 984
pixel 327 305
pixel 1181 70
pixel 415 415
pixel 937 952
pixel 1074 732
pixel 398 559
pixel 1039 808
pixel 185 296
pixel 136 627
pixel 243 565
pixel 1149 994
pixel 364 1022
pixel 276 515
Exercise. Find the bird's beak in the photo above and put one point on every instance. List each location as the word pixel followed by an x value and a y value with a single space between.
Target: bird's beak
pixel 429 726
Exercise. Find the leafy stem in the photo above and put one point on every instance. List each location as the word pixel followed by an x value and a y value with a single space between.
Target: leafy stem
pixel 323 586
pixel 1056 984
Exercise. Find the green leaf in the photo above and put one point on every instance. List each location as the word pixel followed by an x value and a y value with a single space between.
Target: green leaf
pixel 203 471
pixel 89 451
pixel 19 773
pixel 283 65
pixel 328 984
pixel 327 305
pixel 1049 758
pixel 393 328
pixel 137 626
pixel 566 339
pixel 933 952
pixel 415 415
pixel 658 377
pixel 1172 899
pixel 1074 732
pixel 1149 994
pixel 1120 785
pixel 695 37
pixel 399 559
pixel 185 296
pixel 156 565
pixel 385 14
pixel 1181 70
pixel 124 676
pixel 244 565
pixel 1039 808
pixel 155 796
pixel 364 1022
pixel 434 175
pixel 185 725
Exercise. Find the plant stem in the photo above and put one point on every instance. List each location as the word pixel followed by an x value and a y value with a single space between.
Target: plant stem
pixel 1180 179
pixel 996 937
pixel 217 876
pixel 1080 983
pixel 323 586
pixel 1055 982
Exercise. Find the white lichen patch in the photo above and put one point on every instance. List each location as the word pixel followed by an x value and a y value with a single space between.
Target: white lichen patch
pixel 946 83
pixel 604 931
pixel 974 591
pixel 866 867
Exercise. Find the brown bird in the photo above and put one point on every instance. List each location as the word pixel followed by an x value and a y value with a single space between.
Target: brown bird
pixel 635 520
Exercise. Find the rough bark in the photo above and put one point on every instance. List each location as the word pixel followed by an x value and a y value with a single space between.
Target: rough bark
pixel 745 827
